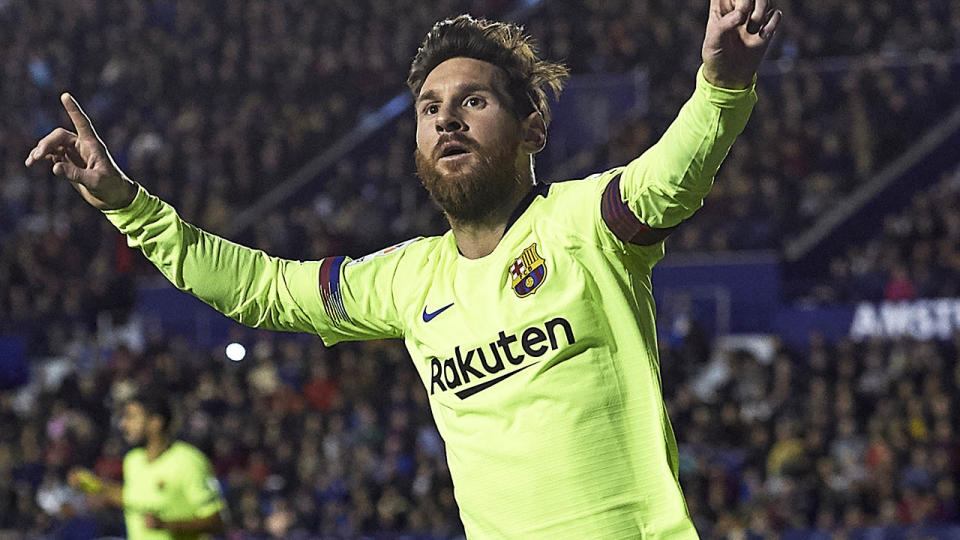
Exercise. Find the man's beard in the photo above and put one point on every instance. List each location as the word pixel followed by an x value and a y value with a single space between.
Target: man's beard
pixel 471 194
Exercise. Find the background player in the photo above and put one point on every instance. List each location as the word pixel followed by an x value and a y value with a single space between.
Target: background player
pixel 169 489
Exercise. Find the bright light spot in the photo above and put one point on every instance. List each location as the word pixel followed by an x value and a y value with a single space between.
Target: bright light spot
pixel 236 352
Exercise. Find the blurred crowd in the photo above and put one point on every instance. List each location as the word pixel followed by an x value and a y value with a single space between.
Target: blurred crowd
pixel 338 443
pixel 309 441
pixel 915 255
pixel 821 128
pixel 211 104
pixel 814 138
pixel 844 436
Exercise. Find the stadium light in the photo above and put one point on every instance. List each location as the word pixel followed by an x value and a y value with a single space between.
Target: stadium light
pixel 236 352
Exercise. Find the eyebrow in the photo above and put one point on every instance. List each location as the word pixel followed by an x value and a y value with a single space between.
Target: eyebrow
pixel 465 88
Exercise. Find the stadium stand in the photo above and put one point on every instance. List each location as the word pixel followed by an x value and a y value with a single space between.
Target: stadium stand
pixel 914 256
pixel 843 437
pixel 213 103
pixel 838 438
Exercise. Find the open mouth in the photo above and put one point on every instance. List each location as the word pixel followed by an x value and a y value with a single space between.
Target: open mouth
pixel 452 150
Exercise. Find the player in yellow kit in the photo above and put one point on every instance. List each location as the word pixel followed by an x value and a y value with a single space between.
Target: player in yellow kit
pixel 531 322
pixel 169 490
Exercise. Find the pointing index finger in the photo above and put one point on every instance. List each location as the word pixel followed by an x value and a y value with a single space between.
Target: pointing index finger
pixel 79 118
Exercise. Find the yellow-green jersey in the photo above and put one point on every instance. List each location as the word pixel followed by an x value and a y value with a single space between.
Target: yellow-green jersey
pixel 179 485
pixel 539 359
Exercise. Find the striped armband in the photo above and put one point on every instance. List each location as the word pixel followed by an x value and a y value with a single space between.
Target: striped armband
pixel 330 291
pixel 623 223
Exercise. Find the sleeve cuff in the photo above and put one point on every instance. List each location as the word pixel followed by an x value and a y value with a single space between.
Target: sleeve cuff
pixel 726 97
pixel 123 218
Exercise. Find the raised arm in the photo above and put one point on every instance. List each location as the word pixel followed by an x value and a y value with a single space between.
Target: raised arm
pixel 244 284
pixel 668 183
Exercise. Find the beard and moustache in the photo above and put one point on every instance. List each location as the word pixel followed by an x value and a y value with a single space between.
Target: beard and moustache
pixel 471 194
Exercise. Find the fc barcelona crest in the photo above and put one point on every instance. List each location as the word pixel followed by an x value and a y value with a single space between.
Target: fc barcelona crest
pixel 528 272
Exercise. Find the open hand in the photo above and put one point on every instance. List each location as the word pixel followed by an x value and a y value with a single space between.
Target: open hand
pixel 738 34
pixel 83 159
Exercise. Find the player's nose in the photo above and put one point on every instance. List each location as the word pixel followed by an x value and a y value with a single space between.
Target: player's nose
pixel 447 121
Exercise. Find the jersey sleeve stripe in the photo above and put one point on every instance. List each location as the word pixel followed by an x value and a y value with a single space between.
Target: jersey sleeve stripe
pixel 623 223
pixel 330 291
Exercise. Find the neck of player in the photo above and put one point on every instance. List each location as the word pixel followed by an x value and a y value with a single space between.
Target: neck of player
pixel 476 239
pixel 156 445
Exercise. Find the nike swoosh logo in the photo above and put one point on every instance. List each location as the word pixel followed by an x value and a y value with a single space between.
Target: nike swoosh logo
pixel 427 317
pixel 464 394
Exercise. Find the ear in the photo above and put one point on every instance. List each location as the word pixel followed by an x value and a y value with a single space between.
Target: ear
pixel 534 133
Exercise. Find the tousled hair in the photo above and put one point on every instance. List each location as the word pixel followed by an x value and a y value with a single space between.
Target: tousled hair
pixel 504 45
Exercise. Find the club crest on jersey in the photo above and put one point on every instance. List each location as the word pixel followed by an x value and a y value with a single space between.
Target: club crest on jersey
pixel 528 272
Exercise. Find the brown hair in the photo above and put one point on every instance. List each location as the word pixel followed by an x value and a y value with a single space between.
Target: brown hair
pixel 502 44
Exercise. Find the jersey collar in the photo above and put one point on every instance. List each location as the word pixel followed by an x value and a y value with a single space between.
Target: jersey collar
pixel 537 189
